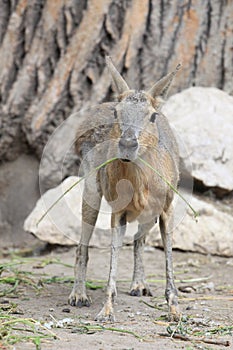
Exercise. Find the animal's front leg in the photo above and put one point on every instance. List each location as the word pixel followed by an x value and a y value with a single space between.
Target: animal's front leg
pixel 139 286
pixel 171 291
pixel 118 231
pixel 78 296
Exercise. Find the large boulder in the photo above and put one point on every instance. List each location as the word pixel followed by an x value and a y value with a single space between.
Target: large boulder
pixel 203 119
pixel 212 234
pixel 59 159
pixel 62 224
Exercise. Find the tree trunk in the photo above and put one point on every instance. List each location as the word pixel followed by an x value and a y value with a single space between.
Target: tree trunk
pixel 53 56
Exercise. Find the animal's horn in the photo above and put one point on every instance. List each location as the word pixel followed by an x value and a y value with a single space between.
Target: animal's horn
pixel 118 82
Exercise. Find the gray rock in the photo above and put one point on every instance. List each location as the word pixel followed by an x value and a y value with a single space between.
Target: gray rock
pixel 62 225
pixel 58 159
pixel 203 119
pixel 211 234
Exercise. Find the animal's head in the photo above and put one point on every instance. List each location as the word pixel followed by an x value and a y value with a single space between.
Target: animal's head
pixel 136 113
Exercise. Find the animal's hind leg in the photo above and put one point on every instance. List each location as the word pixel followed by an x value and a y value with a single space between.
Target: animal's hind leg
pixel 78 296
pixel 139 286
pixel 171 293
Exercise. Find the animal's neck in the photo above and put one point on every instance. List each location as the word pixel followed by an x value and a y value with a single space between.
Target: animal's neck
pixel 126 186
pixel 125 170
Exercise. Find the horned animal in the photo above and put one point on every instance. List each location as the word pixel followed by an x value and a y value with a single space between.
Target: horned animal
pixel 129 128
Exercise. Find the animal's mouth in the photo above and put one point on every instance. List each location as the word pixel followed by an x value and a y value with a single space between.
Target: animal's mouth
pixel 125 160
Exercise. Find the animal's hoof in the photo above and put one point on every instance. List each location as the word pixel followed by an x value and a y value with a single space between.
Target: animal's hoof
pixel 106 315
pixel 174 314
pixel 135 293
pixel 79 300
pixel 139 289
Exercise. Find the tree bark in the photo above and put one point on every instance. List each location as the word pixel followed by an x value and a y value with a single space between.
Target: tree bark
pixel 53 56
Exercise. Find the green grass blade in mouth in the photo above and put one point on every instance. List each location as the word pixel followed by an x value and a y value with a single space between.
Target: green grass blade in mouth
pixel 102 165
pixel 71 187
pixel 195 213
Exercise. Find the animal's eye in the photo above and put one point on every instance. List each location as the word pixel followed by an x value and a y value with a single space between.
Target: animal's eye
pixel 153 117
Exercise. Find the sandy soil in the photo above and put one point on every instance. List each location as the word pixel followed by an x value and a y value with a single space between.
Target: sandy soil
pixel 206 301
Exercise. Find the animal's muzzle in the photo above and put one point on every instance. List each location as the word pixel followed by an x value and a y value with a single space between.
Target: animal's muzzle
pixel 128 146
pixel 128 140
pixel 128 143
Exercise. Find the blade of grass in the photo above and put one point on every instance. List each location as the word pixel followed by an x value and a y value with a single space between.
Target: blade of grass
pixel 10 290
pixel 220 330
pixel 15 280
pixel 126 331
pixel 155 306
pixel 71 187
pixel 49 261
pixel 195 213
pixel 89 328
pixel 102 165
pixel 56 279
pixel 30 322
pixel 193 280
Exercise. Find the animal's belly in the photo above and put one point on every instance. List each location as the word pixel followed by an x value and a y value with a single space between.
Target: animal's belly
pixel 138 205
pixel 123 197
pixel 148 213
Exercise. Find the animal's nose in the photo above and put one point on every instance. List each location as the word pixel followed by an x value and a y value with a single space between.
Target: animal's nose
pixel 128 140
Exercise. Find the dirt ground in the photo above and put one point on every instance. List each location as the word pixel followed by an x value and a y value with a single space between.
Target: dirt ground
pixel 206 302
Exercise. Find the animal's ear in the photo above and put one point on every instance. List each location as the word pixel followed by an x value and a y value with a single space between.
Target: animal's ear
pixel 119 83
pixel 161 88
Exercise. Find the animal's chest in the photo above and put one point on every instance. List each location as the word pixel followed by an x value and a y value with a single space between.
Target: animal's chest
pixel 124 187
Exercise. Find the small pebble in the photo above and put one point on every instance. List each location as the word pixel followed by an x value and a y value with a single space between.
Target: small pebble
pixel 206 309
pixel 189 307
pixel 186 289
pixel 67 310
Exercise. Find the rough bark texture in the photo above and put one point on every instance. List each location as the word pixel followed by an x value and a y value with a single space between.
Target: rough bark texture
pixel 52 56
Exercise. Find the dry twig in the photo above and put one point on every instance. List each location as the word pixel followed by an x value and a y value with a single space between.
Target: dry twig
pixel 194 339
